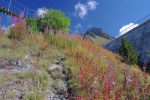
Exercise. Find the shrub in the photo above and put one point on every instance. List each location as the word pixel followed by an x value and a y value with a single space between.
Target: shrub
pixel 128 52
pixel 33 25
pixel 56 20
pixel 19 30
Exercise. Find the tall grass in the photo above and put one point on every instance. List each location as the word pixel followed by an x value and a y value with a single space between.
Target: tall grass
pixel 99 73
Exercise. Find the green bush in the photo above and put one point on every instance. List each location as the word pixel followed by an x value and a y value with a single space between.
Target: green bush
pixel 128 52
pixel 56 20
pixel 33 25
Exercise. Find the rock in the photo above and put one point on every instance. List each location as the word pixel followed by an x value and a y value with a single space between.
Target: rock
pixel 14 66
pixel 61 57
pixel 19 63
pixel 53 67
pixel 13 62
pixel 57 62
pixel 3 63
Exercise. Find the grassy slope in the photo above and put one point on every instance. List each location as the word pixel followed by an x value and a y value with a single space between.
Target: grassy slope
pixel 95 71
pixel 99 40
pixel 33 83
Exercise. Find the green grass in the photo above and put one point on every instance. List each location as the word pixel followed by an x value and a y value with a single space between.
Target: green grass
pixel 99 40
pixel 41 80
pixel 10 95
pixel 36 84
pixel 33 96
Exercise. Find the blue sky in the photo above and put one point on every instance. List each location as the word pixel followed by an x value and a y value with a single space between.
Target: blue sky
pixel 110 15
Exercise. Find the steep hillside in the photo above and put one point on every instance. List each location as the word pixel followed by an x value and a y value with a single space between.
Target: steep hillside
pixel 66 67
pixel 97 36
pixel 49 64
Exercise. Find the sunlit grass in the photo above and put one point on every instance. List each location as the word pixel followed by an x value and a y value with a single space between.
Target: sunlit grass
pixel 96 72
pixel 89 62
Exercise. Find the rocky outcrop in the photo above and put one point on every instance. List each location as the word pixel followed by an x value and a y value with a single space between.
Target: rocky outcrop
pixel 57 73
pixel 15 66
pixel 99 32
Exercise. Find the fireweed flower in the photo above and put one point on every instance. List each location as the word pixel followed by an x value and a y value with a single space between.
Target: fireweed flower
pixel 107 88
pixel 128 77
pixel 128 80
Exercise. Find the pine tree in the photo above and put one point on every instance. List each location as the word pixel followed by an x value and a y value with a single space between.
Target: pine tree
pixel 128 52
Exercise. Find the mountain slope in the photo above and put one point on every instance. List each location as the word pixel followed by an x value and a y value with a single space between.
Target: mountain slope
pixel 140 38
pixel 66 67
pixel 97 36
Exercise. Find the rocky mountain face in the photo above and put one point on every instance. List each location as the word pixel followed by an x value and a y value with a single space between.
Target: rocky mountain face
pixel 97 31
pixel 97 36
pixel 140 38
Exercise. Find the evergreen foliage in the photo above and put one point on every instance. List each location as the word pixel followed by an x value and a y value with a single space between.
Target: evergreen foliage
pixel 128 52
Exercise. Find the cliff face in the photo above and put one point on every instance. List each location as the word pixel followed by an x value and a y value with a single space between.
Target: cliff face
pixel 140 38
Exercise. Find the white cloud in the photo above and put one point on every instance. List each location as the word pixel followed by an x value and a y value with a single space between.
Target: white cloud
pixel 40 12
pixel 81 10
pixel 92 4
pixel 127 28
